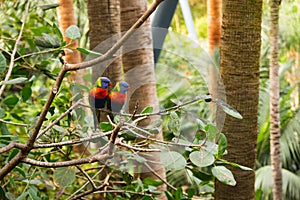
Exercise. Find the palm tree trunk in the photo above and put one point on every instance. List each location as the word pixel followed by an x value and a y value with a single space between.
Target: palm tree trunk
pixel 104 18
pixel 66 18
pixel 214 13
pixel 274 103
pixel 239 69
pixel 139 71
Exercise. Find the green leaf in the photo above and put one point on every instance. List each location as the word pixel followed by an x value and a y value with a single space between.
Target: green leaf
pixel 202 158
pixel 49 6
pixel 64 176
pixel 106 126
pixel 228 109
pixel 151 181
pixel 222 145
pixel 2 113
pixel 2 63
pixel 201 124
pixel 172 160
pixel 11 100
pixel 26 93
pixel 147 110
pixel 2 194
pixel 73 32
pixel 211 131
pixel 59 129
pixel 14 81
pixel 174 124
pixel 139 159
pixel 224 175
pixel 58 32
pixel 89 52
pixel 22 196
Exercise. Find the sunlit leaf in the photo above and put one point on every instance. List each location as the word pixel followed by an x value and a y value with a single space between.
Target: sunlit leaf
pixel 73 32
pixel 64 176
pixel 202 158
pixel 228 109
pixel 106 126
pixel 224 175
pixel 89 52
pixel 151 181
pixel 172 160
pixel 147 110
pixel 2 63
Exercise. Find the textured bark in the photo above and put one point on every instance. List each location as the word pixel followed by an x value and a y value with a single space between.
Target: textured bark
pixel 214 13
pixel 66 18
pixel 239 69
pixel 139 70
pixel 104 18
pixel 274 103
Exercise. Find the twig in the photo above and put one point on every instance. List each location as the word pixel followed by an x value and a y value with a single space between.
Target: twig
pixel 58 119
pixel 158 176
pixel 119 142
pixel 73 194
pixel 13 123
pixel 37 53
pixel 71 142
pixel 12 56
pixel 161 141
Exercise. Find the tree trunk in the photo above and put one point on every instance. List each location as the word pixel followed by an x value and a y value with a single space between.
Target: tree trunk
pixel 239 69
pixel 104 18
pixel 139 71
pixel 274 103
pixel 66 18
pixel 214 13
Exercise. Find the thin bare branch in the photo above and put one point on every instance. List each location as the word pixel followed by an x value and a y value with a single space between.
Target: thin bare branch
pixel 12 56
pixel 74 106
pixel 13 123
pixel 72 142
pixel 120 143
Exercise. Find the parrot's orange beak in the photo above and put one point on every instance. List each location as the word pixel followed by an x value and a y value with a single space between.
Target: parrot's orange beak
pixel 109 84
pixel 128 89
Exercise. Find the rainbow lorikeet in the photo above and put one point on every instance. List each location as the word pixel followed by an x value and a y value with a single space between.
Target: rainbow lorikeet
pixel 98 96
pixel 117 97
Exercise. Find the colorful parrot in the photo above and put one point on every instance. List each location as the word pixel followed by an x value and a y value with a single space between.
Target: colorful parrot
pixel 117 97
pixel 98 96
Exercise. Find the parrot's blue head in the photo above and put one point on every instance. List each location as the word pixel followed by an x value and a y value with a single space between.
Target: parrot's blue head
pixel 124 87
pixel 103 82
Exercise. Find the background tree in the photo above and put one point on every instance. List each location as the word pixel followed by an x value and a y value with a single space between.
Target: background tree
pixel 239 69
pixel 274 103
pixel 138 66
